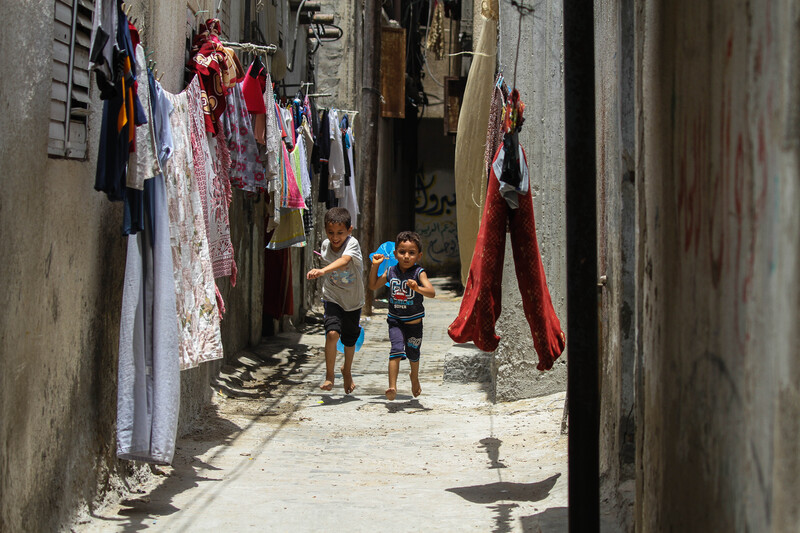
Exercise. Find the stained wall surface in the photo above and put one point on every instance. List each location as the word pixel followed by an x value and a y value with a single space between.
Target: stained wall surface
pixel 62 268
pixel 539 78
pixel 717 106
pixel 616 236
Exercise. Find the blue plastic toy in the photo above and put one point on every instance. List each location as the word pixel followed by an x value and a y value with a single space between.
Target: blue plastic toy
pixel 387 249
pixel 359 341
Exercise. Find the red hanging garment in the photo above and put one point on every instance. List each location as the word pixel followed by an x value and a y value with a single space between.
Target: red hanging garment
pixel 481 304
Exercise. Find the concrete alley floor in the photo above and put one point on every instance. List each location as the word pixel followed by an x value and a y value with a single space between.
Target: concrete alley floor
pixel 275 453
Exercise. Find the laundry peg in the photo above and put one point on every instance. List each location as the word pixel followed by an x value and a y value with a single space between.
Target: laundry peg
pixel 159 78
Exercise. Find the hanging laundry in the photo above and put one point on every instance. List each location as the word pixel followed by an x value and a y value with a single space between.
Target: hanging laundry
pixel 287 123
pixel 148 389
pixel 272 140
pixel 217 69
pixel 291 196
pixel 253 86
pixel 213 196
pixel 324 151
pixel 278 293
pixel 143 164
pixel 246 171
pixel 196 303
pixel 435 39
pixel 104 36
pixel 121 110
pixel 290 231
pixel 162 132
pixel 336 158
pixel 481 304
pixel 494 131
pixel 350 200
pixel 307 143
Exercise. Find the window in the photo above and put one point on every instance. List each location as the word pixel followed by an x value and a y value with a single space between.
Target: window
pixel 69 101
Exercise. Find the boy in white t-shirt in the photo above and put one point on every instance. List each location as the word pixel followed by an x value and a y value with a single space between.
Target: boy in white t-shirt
pixel 342 293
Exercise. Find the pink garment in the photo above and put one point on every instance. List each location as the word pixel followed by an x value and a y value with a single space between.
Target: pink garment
pixel 291 196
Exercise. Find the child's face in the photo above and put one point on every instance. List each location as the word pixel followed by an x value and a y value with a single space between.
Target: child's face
pixel 337 233
pixel 407 254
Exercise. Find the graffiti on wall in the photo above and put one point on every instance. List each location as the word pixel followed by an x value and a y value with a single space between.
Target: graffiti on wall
pixel 428 202
pixel 727 188
pixel 436 220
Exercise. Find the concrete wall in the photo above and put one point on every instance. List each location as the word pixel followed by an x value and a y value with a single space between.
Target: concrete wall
pixel 337 66
pixel 435 214
pixel 718 440
pixel 62 269
pixel 539 78
pixel 614 59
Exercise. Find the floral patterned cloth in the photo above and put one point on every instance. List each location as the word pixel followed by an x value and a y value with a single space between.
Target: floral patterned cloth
pixel 196 303
pixel 214 191
pixel 246 171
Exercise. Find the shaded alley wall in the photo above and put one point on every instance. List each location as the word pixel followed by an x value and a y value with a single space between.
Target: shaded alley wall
pixel 539 78
pixel 616 213
pixel 62 268
pixel 718 101
pixel 435 201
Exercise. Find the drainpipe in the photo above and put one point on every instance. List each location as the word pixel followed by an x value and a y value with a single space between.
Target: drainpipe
pixel 582 315
pixel 370 117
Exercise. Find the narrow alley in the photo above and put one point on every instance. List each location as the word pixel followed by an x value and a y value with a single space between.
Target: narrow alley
pixel 274 453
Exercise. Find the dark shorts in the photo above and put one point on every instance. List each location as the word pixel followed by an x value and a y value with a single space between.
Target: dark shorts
pixel 343 322
pixel 406 339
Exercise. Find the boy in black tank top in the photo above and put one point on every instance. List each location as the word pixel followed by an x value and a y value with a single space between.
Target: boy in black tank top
pixel 408 285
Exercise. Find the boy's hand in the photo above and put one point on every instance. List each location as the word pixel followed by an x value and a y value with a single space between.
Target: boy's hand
pixel 314 273
pixel 412 285
pixel 377 259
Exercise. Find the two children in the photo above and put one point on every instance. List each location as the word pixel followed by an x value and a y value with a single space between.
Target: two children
pixel 343 298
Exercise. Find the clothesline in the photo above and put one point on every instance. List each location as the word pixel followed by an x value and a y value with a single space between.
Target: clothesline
pixel 346 111
pixel 250 47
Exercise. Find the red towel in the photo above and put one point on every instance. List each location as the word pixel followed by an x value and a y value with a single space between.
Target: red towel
pixel 253 86
pixel 481 304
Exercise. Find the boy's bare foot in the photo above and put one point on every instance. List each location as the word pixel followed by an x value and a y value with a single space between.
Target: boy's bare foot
pixel 349 386
pixel 327 385
pixel 416 388
pixel 391 393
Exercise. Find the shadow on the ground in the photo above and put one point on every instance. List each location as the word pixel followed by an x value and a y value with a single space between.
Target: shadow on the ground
pixel 492 447
pixel 327 399
pixel 256 373
pixel 502 517
pixel 507 491
pixel 552 519
pixel 449 284
pixel 397 406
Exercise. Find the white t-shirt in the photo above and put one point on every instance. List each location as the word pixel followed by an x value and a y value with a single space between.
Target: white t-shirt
pixel 344 287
